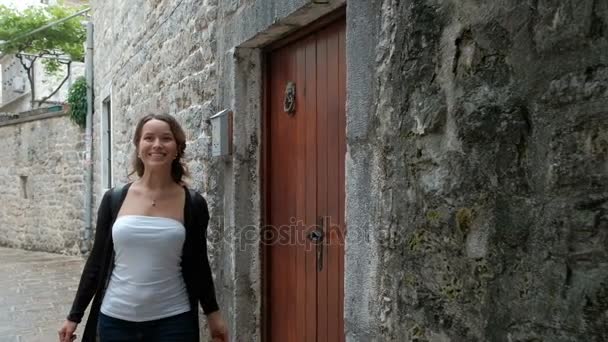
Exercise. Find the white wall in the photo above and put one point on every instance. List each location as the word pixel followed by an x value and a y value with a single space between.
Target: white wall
pixel 13 100
pixel 12 72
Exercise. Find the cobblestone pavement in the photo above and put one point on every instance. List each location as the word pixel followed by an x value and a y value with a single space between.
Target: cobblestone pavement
pixel 36 293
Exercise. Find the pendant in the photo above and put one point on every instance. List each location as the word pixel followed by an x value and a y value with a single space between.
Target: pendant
pixel 154 203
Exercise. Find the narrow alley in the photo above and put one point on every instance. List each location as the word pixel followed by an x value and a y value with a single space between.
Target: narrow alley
pixel 36 291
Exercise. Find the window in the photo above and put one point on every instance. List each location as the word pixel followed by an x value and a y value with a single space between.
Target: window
pixel 23 186
pixel 106 144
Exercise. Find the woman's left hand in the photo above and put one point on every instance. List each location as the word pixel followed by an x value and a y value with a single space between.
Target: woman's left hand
pixel 217 327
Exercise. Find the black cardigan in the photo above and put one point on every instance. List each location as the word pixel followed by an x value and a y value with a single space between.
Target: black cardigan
pixel 100 263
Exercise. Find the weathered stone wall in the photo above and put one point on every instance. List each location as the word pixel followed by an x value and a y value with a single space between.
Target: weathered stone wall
pixel 155 57
pixel 42 185
pixel 485 145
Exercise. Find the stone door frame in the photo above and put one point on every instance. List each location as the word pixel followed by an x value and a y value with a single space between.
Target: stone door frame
pixel 242 75
pixel 243 37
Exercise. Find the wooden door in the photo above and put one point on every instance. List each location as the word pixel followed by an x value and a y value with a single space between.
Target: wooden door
pixel 305 151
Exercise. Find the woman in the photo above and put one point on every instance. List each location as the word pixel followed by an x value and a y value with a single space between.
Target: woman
pixel 148 268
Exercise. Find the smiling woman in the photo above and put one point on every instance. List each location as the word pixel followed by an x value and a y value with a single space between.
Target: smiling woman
pixel 149 269
pixel 162 135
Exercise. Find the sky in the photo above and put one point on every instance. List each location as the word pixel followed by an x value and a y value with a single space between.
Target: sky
pixel 22 4
pixel 19 4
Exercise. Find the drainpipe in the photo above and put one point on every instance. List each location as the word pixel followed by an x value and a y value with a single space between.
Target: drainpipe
pixel 88 193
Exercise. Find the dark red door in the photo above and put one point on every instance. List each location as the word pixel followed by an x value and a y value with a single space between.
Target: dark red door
pixel 305 153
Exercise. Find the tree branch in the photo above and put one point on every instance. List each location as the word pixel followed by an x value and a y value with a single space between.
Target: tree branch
pixel 29 70
pixel 60 85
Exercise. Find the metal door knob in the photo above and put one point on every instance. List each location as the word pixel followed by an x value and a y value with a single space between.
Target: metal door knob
pixel 316 235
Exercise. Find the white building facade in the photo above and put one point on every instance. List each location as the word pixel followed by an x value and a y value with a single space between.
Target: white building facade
pixel 15 96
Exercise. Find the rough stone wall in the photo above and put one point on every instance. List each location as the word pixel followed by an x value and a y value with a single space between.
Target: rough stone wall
pixel 486 141
pixel 155 57
pixel 42 185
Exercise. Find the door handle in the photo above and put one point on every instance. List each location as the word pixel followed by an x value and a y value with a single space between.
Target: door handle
pixel 317 236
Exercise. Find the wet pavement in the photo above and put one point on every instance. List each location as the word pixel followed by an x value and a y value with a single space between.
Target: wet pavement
pixel 36 293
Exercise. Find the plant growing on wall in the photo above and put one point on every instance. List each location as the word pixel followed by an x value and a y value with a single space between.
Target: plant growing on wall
pixel 77 99
pixel 56 45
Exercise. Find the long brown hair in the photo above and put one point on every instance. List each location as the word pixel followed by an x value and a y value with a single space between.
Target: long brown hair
pixel 178 169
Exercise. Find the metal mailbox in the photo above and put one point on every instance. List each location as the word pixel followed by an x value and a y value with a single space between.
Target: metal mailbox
pixel 221 133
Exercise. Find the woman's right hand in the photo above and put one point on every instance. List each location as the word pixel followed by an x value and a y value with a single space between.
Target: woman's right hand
pixel 217 327
pixel 66 333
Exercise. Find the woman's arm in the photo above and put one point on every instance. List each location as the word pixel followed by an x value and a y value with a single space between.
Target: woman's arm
pixel 207 288
pixel 217 326
pixel 90 275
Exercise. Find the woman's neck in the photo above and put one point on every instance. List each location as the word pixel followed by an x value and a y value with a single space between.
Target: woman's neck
pixel 156 180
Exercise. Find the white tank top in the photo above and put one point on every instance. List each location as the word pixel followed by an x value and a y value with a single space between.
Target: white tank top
pixel 147 281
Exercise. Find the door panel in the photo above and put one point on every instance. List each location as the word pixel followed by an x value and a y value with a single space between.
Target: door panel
pixel 310 108
pixel 342 171
pixel 334 241
pixel 305 189
pixel 301 256
pixel 322 97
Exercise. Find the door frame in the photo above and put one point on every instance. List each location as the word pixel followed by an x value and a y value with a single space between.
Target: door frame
pixel 329 19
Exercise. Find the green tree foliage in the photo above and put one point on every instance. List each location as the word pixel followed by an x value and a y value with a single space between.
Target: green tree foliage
pixel 56 45
pixel 77 98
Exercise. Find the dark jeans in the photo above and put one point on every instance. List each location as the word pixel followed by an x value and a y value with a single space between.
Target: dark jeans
pixel 178 328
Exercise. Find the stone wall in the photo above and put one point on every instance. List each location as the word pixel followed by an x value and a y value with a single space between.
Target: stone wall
pixel 42 184
pixel 483 153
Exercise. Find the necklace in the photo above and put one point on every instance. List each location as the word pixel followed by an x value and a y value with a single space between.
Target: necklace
pixel 154 200
pixel 151 195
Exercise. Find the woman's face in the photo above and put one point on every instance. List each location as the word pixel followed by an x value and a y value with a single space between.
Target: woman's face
pixel 157 146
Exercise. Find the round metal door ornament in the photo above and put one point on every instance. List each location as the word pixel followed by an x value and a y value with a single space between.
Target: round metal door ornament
pixel 289 104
